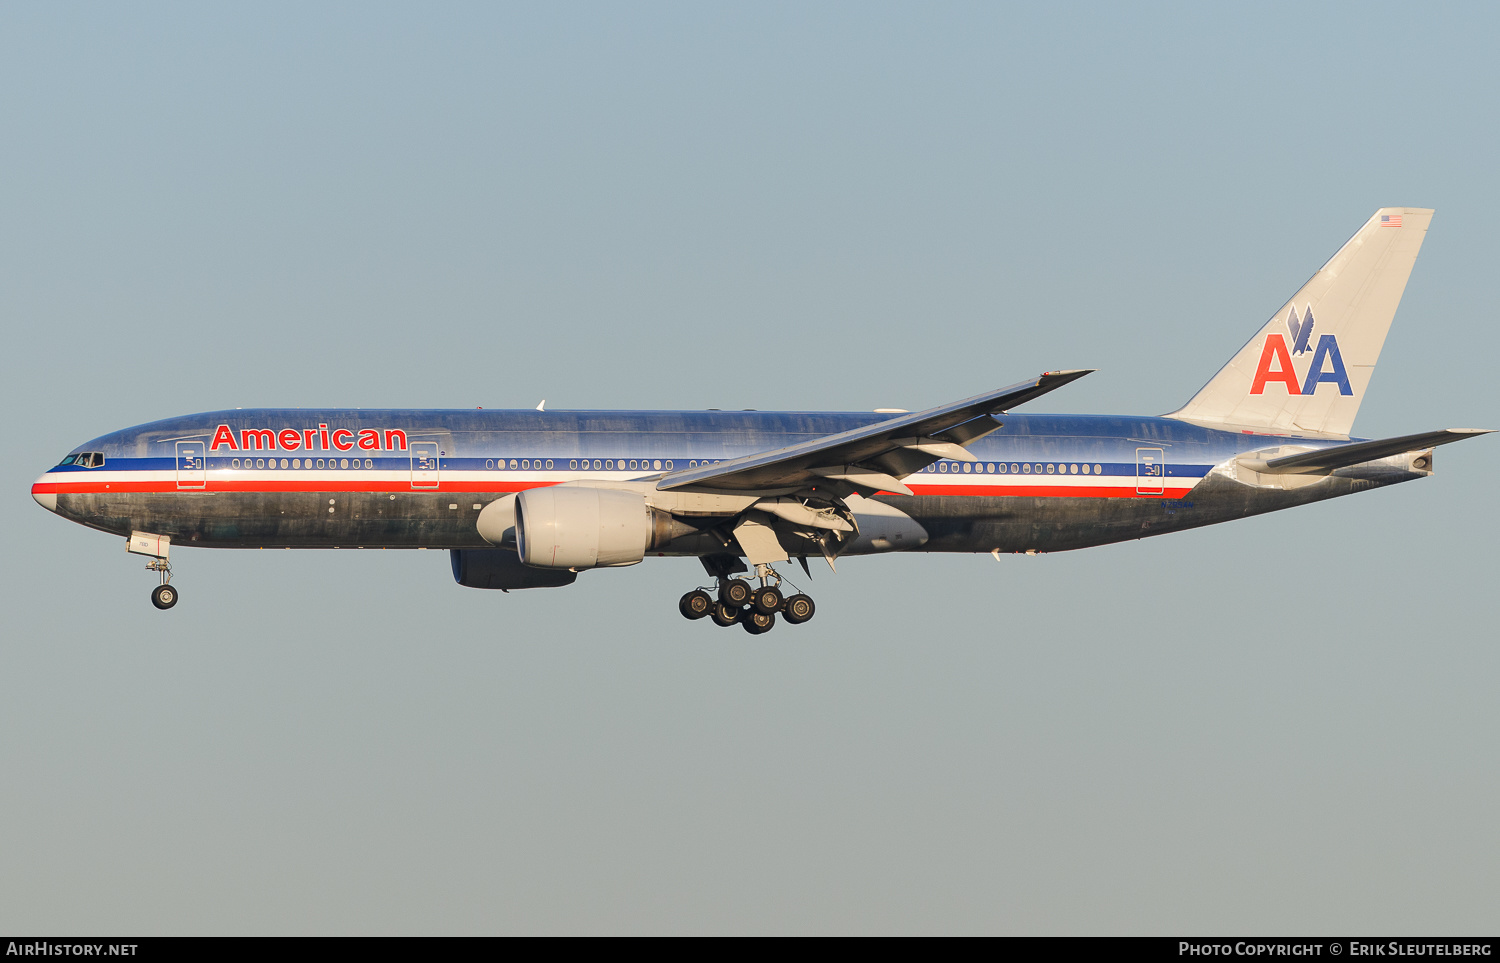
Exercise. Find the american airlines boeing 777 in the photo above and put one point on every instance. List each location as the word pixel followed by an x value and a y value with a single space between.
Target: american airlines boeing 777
pixel 527 499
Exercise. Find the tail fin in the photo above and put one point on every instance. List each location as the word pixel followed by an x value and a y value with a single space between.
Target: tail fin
pixel 1307 370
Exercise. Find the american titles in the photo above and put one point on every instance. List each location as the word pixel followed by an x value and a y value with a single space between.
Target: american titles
pixel 320 438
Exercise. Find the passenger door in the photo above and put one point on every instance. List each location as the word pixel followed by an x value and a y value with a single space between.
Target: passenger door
pixel 1150 471
pixel 424 464
pixel 191 469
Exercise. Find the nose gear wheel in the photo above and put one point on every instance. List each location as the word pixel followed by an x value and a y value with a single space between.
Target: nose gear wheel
pixel 165 595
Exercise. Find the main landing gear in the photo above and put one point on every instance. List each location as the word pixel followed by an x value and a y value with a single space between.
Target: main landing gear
pixel 755 609
pixel 164 596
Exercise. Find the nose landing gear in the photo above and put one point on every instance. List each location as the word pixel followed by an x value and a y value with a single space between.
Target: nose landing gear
pixel 164 596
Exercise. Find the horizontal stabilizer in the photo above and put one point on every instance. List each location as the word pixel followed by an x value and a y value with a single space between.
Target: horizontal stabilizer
pixel 1325 460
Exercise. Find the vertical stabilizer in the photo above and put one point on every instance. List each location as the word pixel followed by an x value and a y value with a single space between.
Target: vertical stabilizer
pixel 1307 370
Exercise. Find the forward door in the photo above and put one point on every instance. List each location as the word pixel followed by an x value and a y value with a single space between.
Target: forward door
pixel 191 468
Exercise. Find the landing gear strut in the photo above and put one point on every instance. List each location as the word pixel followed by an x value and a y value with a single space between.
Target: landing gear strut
pixel 733 601
pixel 164 596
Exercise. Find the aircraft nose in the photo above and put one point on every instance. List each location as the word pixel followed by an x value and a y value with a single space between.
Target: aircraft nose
pixel 46 499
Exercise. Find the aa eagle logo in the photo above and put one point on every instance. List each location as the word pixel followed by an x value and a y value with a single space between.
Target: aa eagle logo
pixel 1300 331
pixel 1276 367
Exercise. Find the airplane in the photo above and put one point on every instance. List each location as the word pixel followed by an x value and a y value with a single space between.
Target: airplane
pixel 530 498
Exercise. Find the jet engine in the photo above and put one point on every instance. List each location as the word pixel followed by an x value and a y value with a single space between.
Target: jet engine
pixel 580 527
pixel 494 568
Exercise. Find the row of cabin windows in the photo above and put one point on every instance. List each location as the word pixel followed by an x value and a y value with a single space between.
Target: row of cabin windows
pixel 1002 468
pixel 301 463
pixel 523 464
pixel 585 464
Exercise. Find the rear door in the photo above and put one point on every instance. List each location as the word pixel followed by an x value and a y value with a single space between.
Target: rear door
pixel 1150 471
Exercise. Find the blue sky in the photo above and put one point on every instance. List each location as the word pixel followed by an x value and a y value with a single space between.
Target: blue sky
pixel 1284 725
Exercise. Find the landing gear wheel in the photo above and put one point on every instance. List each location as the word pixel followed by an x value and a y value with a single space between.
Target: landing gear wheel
pixel 766 600
pixel 724 615
pixel 757 623
pixel 164 596
pixel 695 604
pixel 798 609
pixel 734 592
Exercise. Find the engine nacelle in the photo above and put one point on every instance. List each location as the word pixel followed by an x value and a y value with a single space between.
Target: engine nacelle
pixel 579 527
pixel 494 568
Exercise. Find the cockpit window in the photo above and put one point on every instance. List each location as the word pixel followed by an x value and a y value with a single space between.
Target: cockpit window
pixel 67 461
pixel 85 459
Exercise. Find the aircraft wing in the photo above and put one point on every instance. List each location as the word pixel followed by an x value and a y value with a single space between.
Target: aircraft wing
pixel 1341 456
pixel 875 457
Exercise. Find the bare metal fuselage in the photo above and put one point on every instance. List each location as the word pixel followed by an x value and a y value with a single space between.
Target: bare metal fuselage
pixel 1041 483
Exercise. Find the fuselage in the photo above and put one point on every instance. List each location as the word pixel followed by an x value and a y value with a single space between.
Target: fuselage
pixel 363 478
